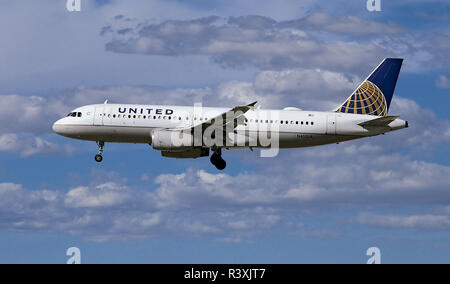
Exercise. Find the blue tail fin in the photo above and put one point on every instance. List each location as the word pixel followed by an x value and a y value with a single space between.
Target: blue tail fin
pixel 375 94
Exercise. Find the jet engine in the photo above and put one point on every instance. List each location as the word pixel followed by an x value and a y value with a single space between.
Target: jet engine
pixel 172 141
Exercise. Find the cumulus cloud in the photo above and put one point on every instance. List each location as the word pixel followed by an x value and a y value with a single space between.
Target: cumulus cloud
pixel 28 145
pixel 239 207
pixel 274 45
pixel 104 195
pixel 425 128
pixel 112 211
pixel 32 113
pixel 243 41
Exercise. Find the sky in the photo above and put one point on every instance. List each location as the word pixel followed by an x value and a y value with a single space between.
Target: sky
pixel 313 205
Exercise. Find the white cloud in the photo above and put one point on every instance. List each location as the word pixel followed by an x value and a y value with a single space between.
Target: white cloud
pixel 28 145
pixel 250 40
pixel 443 82
pixel 276 45
pixel 31 113
pixel 104 195
pixel 348 25
pixel 425 128
pixel 421 222
pixel 241 206
pixel 302 80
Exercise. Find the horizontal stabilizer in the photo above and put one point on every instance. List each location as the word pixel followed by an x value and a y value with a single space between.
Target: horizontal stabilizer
pixel 383 121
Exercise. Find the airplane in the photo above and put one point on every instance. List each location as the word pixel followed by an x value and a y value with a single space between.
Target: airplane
pixel 193 132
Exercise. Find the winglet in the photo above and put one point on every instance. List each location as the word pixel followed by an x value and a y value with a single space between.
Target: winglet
pixel 252 104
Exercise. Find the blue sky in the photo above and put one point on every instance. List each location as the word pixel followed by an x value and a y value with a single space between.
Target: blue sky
pixel 320 205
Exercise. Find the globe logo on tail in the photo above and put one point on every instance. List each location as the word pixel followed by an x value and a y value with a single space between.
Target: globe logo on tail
pixel 367 99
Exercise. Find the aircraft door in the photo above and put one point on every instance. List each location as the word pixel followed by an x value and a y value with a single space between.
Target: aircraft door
pixel 331 124
pixel 99 116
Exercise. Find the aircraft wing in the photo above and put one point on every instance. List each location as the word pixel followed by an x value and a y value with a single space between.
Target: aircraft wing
pixel 226 121
pixel 235 117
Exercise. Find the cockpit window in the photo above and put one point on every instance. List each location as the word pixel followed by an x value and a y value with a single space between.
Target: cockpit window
pixel 74 114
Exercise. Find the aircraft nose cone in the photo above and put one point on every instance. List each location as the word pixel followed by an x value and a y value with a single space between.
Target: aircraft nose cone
pixel 57 128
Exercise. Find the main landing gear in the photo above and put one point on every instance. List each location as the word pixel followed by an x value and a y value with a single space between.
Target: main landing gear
pixel 216 159
pixel 99 156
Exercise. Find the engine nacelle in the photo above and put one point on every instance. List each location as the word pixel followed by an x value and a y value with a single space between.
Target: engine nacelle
pixel 177 141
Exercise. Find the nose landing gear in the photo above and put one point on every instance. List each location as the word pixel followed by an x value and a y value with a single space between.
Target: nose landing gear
pixel 217 161
pixel 99 156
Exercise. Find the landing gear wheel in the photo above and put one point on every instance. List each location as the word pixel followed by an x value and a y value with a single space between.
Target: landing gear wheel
pixel 221 165
pixel 218 162
pixel 98 158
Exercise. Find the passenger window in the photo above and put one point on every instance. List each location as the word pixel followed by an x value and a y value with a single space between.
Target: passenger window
pixel 145 117
pixel 296 122
pixel 307 123
pixel 312 122
pixel 281 122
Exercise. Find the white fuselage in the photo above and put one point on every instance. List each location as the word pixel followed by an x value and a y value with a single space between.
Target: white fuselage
pixel 294 128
